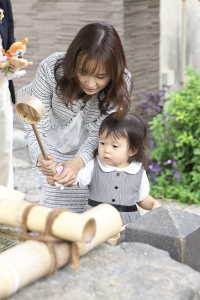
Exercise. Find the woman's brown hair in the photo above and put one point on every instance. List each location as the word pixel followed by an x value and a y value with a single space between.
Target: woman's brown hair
pixel 101 44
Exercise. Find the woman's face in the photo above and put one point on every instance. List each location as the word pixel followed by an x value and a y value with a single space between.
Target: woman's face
pixel 92 83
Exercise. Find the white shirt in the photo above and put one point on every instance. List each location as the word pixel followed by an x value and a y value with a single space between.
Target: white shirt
pixel 69 138
pixel 85 175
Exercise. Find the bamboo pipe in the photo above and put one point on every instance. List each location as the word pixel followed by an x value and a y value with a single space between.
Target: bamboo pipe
pixel 107 220
pixel 10 194
pixel 29 261
pixel 68 226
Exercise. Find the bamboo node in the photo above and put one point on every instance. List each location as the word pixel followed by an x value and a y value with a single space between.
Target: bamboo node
pixel 48 237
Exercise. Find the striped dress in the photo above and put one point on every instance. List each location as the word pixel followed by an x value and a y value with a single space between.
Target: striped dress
pixel 57 115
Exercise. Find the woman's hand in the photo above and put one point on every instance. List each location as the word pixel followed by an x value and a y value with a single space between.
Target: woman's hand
pixel 70 171
pixel 47 167
pixel 13 69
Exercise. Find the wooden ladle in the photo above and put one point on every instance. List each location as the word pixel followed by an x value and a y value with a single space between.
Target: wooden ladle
pixel 32 110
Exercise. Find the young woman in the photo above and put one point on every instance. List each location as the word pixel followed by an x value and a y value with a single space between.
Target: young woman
pixel 78 88
pixel 116 176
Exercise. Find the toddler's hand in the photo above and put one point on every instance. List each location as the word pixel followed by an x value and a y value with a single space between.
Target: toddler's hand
pixel 156 204
pixel 56 184
pixel 50 180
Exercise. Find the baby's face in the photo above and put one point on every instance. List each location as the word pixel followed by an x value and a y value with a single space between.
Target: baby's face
pixel 114 151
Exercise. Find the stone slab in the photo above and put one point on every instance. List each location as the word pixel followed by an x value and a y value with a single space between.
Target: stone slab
pixel 171 229
pixel 125 272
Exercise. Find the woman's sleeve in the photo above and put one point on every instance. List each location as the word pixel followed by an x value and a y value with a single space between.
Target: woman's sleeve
pixel 41 88
pixel 128 79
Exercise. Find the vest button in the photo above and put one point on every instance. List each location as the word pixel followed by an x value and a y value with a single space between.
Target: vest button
pixel 118 174
pixel 113 200
pixel 116 187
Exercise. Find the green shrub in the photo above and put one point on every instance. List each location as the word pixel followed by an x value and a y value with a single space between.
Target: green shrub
pixel 176 133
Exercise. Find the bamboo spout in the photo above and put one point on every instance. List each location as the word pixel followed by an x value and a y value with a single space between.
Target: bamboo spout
pixel 68 226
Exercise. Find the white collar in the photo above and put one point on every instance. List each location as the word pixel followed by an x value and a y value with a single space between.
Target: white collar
pixel 133 168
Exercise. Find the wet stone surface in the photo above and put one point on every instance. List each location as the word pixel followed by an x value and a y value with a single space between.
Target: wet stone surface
pixel 6 243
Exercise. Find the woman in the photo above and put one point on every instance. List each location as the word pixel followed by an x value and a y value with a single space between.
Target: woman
pixel 78 88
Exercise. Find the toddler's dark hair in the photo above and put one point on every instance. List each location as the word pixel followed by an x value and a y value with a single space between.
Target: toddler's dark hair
pixel 132 127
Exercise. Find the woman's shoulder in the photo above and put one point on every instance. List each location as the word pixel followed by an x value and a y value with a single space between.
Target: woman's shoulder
pixel 127 74
pixel 128 78
pixel 53 58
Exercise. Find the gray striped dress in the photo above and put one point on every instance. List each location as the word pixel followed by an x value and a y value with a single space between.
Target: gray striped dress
pixel 116 188
pixel 58 115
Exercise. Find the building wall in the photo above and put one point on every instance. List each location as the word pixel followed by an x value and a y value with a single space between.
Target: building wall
pixel 51 25
pixel 141 42
pixel 171 37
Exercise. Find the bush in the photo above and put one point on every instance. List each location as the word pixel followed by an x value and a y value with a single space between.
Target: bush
pixel 175 166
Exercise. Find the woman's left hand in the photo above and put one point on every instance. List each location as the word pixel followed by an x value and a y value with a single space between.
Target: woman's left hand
pixel 70 171
pixel 13 69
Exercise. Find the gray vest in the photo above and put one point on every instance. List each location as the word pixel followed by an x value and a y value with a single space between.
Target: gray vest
pixel 114 187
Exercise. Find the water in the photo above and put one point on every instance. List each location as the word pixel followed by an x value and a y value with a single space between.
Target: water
pixel 9 237
pixel 6 243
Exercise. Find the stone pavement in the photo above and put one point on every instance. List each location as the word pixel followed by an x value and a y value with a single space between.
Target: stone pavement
pixel 27 181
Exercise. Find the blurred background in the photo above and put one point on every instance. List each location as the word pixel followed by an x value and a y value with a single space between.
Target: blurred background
pixel 160 37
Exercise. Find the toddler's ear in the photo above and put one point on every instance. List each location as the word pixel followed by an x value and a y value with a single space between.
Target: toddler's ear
pixel 133 152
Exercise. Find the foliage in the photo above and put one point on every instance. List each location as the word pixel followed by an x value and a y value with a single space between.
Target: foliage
pixel 153 105
pixel 175 165
pixel 156 102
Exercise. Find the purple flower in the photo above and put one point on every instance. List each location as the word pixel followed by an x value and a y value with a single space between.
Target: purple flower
pixel 177 175
pixel 169 161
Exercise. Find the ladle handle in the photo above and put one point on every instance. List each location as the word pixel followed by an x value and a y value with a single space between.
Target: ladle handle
pixel 39 141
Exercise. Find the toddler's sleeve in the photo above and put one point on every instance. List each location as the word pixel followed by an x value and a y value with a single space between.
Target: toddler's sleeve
pixel 85 174
pixel 144 187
